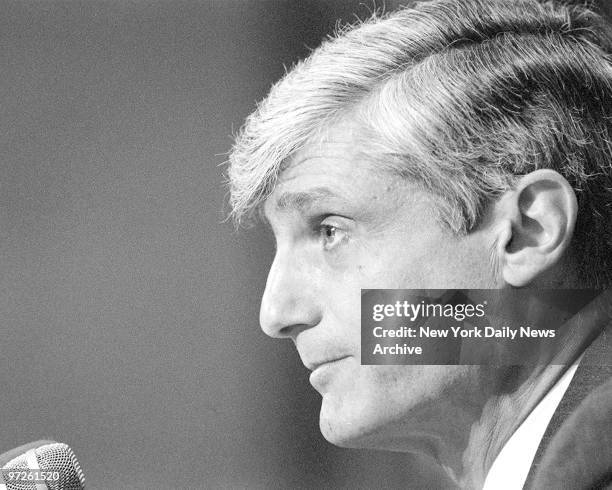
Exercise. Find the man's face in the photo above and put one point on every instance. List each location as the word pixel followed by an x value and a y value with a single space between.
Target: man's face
pixel 342 225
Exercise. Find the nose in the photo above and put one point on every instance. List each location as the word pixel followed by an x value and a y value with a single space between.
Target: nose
pixel 289 304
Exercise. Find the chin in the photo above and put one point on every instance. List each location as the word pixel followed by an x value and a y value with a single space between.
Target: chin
pixel 383 407
pixel 352 424
pixel 375 429
pixel 341 435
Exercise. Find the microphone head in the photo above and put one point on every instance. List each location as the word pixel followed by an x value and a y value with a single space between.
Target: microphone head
pixel 58 462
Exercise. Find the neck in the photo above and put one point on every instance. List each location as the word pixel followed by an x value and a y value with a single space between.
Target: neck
pixel 514 391
pixel 500 418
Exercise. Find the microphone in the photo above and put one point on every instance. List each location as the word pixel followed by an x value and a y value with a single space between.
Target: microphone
pixel 41 465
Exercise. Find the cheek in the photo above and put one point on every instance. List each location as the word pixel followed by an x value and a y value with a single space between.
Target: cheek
pixel 452 265
pixel 466 268
pixel 401 262
pixel 435 260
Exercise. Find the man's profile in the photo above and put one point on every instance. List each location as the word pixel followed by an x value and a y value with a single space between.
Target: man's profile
pixel 452 145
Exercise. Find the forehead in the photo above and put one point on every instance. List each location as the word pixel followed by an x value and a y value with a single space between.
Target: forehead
pixel 335 167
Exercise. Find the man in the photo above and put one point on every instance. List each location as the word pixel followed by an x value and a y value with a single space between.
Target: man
pixel 452 145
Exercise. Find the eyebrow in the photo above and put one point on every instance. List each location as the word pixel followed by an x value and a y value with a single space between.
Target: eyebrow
pixel 303 200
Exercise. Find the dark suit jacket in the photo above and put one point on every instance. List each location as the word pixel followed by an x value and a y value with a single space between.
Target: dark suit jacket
pixel 576 450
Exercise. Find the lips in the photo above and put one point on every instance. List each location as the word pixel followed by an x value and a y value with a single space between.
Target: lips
pixel 324 373
pixel 313 365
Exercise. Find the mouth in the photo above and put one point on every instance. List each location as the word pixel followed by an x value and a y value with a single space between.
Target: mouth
pixel 313 366
pixel 323 373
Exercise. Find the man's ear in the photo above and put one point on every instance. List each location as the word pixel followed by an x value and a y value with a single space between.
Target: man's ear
pixel 539 217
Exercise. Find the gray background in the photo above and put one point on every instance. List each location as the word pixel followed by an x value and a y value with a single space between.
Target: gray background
pixel 129 308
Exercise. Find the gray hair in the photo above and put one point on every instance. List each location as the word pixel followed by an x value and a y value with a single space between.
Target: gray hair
pixel 460 97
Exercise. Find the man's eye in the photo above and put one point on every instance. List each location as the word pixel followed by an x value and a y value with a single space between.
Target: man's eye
pixel 331 236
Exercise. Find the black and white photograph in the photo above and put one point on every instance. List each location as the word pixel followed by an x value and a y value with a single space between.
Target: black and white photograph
pixel 319 244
